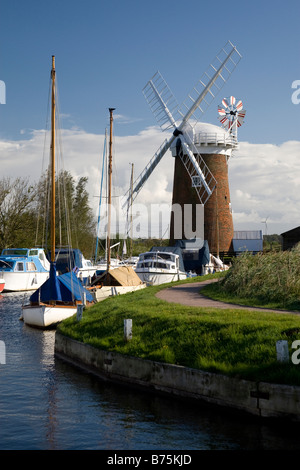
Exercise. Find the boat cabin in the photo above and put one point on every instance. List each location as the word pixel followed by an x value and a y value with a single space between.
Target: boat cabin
pixel 23 260
pixel 161 260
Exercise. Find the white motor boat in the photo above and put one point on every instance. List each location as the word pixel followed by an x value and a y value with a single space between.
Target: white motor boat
pixel 23 269
pixel 159 267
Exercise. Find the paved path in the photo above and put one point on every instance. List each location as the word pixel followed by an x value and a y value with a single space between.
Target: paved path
pixel 188 294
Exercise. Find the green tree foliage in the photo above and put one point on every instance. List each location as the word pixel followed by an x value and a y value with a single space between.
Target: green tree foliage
pixel 25 213
pixel 75 223
pixel 272 242
pixel 17 212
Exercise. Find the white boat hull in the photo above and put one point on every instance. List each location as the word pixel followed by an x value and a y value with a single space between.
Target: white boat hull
pixel 154 278
pixel 15 281
pixel 43 316
pixel 109 291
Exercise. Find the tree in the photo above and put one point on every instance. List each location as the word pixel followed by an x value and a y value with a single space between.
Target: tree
pixel 75 224
pixel 17 215
pixel 25 213
pixel 83 219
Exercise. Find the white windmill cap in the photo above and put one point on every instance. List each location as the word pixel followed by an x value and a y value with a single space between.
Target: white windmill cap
pixel 210 138
pixel 208 128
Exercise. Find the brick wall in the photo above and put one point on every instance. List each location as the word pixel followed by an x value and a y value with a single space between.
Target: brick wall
pixel 218 223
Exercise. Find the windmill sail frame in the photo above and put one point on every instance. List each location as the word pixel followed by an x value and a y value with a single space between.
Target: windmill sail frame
pixel 163 105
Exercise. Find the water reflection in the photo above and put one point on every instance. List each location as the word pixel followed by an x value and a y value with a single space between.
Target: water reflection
pixel 48 404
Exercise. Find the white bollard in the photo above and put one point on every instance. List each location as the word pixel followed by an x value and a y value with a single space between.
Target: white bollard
pixel 128 329
pixel 282 349
pixel 79 312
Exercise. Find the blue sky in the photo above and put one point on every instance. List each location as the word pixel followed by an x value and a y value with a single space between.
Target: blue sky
pixel 107 51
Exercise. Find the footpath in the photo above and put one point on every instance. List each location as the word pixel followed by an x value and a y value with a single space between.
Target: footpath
pixel 190 294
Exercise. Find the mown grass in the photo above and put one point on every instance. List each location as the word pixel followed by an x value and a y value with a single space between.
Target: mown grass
pixel 240 343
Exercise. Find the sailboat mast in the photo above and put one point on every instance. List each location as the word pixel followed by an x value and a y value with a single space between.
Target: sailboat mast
pixel 53 162
pixel 111 110
pixel 131 219
pixel 100 197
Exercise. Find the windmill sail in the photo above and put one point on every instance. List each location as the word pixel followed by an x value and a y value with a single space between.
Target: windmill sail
pixel 210 84
pixel 161 101
pixel 202 178
pixel 163 105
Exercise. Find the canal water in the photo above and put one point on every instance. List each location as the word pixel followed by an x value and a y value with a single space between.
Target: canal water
pixel 46 404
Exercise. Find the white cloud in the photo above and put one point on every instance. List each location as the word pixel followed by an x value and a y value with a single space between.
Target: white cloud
pixel 264 183
pixel 264 178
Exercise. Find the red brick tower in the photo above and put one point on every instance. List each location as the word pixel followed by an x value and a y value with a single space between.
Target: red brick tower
pixel 215 147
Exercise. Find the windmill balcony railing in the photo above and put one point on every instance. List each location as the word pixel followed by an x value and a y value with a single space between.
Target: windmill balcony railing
pixel 205 138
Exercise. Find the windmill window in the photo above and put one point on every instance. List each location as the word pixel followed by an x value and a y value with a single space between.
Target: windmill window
pixel 196 182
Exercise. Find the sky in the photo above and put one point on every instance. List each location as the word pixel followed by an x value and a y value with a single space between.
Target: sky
pixel 105 52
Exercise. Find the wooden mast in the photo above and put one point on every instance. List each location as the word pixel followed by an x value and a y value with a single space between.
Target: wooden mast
pixel 111 110
pixel 53 162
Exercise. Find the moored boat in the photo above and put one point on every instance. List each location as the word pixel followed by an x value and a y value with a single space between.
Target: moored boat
pixel 23 269
pixel 60 296
pixel 2 284
pixel 159 267
pixel 120 280
pixel 117 278
pixel 57 299
pixel 69 259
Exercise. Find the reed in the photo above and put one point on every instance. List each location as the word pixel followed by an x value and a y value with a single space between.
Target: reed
pixel 270 280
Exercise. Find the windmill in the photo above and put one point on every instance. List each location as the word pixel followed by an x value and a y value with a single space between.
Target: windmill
pixel 189 164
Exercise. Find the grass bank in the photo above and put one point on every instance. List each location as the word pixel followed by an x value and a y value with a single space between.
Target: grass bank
pixel 238 343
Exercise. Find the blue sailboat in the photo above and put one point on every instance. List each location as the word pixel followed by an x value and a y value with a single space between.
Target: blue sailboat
pixel 58 297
